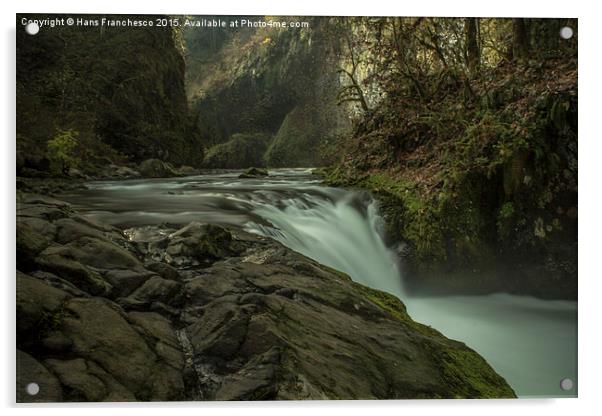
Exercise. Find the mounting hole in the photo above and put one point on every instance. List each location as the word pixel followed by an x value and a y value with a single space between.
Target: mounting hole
pixel 566 32
pixel 32 28
pixel 566 384
pixel 32 389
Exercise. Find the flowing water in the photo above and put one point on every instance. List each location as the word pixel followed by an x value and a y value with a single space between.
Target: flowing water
pixel 530 342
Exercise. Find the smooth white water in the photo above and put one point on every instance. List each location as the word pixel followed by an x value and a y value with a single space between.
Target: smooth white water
pixel 530 342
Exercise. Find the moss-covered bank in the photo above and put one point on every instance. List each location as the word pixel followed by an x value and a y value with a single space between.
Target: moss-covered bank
pixel 484 193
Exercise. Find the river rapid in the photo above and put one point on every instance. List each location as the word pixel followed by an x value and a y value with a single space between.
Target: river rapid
pixel 532 343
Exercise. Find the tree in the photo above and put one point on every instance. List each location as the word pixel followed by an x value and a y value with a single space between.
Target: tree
pixel 520 40
pixel 62 151
pixel 352 92
pixel 473 55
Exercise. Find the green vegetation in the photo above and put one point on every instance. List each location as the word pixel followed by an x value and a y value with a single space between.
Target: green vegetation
pixel 49 322
pixel 470 375
pixel 475 163
pixel 394 307
pixel 62 151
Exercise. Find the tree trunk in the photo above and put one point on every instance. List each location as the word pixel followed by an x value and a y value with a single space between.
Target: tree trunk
pixel 472 46
pixel 520 40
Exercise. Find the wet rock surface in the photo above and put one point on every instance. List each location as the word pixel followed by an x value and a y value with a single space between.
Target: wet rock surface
pixel 204 312
pixel 253 173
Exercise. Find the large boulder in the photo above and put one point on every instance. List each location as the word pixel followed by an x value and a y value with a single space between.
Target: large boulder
pixel 155 289
pixel 277 325
pixel 254 173
pixel 64 262
pixel 199 244
pixel 155 168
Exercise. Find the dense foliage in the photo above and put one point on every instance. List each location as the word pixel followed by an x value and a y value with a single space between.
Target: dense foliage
pixel 474 150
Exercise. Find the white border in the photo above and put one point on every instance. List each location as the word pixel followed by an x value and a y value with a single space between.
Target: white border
pixel 590 288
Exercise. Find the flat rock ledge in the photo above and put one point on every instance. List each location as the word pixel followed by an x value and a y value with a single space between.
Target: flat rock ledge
pixel 209 313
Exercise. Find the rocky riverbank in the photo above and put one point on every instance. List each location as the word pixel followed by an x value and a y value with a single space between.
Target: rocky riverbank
pixel 202 312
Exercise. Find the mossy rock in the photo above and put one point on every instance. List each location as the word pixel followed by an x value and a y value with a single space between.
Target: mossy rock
pixel 254 173
pixel 155 168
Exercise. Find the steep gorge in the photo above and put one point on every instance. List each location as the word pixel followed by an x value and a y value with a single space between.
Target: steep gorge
pixel 275 83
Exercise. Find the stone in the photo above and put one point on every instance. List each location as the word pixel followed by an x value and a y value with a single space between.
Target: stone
pixel 57 342
pixel 69 230
pixel 86 381
pixel 255 381
pixel 200 242
pixel 155 289
pixel 63 261
pixel 160 329
pixel 187 171
pixel 74 374
pixel 164 270
pixel 254 173
pixel 30 241
pixel 125 172
pixel 100 333
pixel 124 282
pixel 37 302
pixel 102 254
pixel 56 282
pixel 239 152
pixel 155 168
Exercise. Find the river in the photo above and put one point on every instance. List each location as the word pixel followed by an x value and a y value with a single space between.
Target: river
pixel 532 343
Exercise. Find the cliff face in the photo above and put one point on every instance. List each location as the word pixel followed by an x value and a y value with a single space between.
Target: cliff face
pixel 483 192
pixel 117 91
pixel 279 82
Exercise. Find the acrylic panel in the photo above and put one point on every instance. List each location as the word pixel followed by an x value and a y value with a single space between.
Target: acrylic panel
pixel 295 208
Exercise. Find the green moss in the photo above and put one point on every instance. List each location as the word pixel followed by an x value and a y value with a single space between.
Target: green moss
pixel 394 307
pixel 464 372
pixel 339 274
pixel 50 321
pixel 469 375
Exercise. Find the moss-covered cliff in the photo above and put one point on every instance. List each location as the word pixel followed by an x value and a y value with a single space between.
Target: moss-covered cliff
pixel 118 92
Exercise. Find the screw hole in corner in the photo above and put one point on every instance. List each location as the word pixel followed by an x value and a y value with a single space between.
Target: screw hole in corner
pixel 566 384
pixel 32 28
pixel 32 389
pixel 566 32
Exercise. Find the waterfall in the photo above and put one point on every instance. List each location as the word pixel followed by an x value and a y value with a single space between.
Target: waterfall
pixel 341 232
